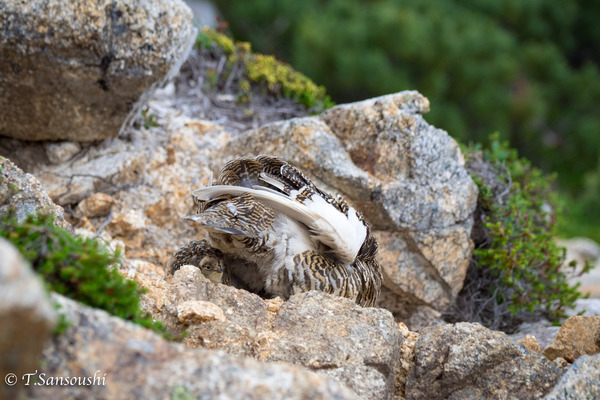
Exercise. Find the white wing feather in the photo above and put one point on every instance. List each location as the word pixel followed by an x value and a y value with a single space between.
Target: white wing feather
pixel 345 235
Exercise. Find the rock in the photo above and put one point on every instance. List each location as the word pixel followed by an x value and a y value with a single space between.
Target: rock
pixel 542 331
pixel 62 151
pixel 245 314
pixel 81 70
pixel 580 250
pixel 132 362
pixel 577 336
pixel 531 343
pixel 24 194
pixel 561 362
pixel 407 359
pixel 334 337
pixel 580 381
pixel 275 304
pixel 469 361
pixel 406 177
pixel 127 224
pixel 96 205
pixel 195 311
pixel 26 318
pixel 587 307
pixel 331 335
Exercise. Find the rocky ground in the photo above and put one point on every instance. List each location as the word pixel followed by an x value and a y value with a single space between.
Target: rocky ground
pixel 131 190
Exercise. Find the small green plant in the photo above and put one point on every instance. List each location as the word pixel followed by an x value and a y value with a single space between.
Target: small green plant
pixel 78 268
pixel 149 119
pixel 277 77
pixel 63 322
pixel 516 273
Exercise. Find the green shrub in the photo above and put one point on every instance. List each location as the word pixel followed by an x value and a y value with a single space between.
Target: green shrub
pixel 516 272
pixel 581 209
pixel 529 69
pixel 78 268
pixel 274 76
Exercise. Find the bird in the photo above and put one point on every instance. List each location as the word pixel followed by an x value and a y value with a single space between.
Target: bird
pixel 200 254
pixel 281 235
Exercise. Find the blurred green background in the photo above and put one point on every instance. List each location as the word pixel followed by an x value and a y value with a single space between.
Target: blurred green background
pixel 527 69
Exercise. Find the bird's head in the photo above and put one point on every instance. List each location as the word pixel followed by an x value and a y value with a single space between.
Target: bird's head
pixel 212 267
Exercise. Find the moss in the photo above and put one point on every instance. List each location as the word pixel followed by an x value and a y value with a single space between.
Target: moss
pixel 181 393
pixel 78 268
pixel 277 77
pixel 516 274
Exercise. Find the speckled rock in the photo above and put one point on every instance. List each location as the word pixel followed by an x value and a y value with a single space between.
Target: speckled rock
pixel 26 318
pixel 580 381
pixel 577 336
pixel 405 175
pixel 195 311
pixel 127 224
pixel 245 314
pixel 81 70
pixel 137 363
pixel 333 336
pixel 543 331
pixel 360 347
pixel 96 205
pixel 60 152
pixel 468 361
pixel 531 343
pixel 24 194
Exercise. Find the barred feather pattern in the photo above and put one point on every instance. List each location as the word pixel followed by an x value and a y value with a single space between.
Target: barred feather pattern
pixel 271 252
pixel 200 254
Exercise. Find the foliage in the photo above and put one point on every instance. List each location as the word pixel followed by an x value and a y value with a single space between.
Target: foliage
pixel 582 208
pixel 78 268
pixel 516 274
pixel 149 119
pixel 276 77
pixel 528 69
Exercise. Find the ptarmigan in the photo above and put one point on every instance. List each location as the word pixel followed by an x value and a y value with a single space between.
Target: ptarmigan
pixel 199 254
pixel 281 235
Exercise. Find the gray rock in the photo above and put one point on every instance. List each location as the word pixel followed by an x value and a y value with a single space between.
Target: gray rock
pixel 81 70
pixel 24 194
pixel 543 331
pixel 245 313
pixel 581 381
pixel 335 337
pixel 26 318
pixel 405 175
pixel 330 335
pixel 132 362
pixel 586 307
pixel 61 152
pixel 468 361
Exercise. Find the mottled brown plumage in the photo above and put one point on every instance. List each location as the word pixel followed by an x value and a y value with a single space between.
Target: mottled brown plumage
pixel 281 235
pixel 200 254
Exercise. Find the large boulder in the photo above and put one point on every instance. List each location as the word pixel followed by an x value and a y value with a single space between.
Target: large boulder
pixel 333 336
pixel 80 70
pixel 128 361
pixel 26 320
pixel 468 361
pixel 405 175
